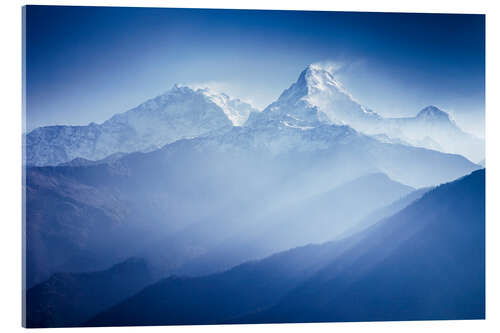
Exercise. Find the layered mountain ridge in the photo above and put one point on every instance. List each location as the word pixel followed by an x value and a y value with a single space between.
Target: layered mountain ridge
pixel 81 206
pixel 430 267
pixel 205 186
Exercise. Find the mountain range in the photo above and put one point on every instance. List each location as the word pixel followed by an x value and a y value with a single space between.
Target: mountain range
pixel 313 209
pixel 315 99
pixel 179 113
pixel 75 210
pixel 409 266
pixel 327 216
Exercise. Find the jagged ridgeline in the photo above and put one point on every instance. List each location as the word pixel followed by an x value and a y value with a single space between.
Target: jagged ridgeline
pixel 218 203
pixel 183 112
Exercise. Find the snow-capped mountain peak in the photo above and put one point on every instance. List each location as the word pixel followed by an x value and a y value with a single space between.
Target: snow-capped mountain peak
pixel 312 80
pixel 181 112
pixel 320 79
pixel 433 128
pixel 317 97
pixel 433 113
pixel 327 93
pixel 235 109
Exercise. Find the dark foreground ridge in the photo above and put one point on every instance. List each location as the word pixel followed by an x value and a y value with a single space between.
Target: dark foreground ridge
pixel 426 262
pixel 68 299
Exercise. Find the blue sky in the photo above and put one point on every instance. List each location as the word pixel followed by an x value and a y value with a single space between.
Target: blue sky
pixel 85 64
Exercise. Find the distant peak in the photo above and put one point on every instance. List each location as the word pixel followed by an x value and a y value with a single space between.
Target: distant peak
pixel 316 77
pixel 203 90
pixel 431 108
pixel 310 70
pixel 328 67
pixel 180 88
pixel 186 89
pixel 317 70
pixel 432 111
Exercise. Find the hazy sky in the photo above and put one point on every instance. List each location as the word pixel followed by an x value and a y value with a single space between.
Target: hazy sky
pixel 85 64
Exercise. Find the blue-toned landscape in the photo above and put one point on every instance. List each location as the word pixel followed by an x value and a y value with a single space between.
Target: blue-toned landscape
pixel 190 167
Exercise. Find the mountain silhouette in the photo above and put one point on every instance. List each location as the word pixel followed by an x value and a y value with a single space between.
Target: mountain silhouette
pixel 69 299
pixel 424 262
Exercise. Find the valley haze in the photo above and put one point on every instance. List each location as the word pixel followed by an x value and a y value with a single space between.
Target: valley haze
pixel 199 206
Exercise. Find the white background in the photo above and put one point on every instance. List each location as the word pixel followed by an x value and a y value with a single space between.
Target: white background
pixel 10 164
